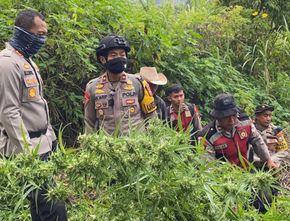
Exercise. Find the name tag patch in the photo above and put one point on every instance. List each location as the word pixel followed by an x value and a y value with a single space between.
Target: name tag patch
pixel 99 97
pixel 28 73
pixel 129 94
pixel 220 147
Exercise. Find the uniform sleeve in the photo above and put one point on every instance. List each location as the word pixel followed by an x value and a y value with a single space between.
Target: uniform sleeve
pixel 164 110
pixel 196 117
pixel 260 148
pixel 10 104
pixel 91 121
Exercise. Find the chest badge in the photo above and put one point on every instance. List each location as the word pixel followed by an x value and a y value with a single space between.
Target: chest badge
pixel 99 86
pixel 128 87
pixel 132 109
pixel 187 114
pixel 26 66
pixel 99 91
pixel 130 101
pixel 243 134
pixel 32 92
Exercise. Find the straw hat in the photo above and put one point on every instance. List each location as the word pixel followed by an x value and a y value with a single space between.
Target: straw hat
pixel 150 75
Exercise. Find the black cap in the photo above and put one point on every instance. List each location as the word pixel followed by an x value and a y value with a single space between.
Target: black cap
pixel 224 106
pixel 263 107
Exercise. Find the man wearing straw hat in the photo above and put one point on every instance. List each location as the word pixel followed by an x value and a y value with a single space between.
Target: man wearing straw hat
pixel 154 79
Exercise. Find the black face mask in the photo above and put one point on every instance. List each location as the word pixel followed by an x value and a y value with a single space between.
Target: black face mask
pixel 25 42
pixel 116 65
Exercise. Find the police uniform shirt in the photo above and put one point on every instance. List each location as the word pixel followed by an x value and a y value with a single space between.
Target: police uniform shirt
pixel 22 106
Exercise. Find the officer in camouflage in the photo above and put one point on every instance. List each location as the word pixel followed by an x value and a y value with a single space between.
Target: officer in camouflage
pixel 23 109
pixel 116 101
pixel 272 135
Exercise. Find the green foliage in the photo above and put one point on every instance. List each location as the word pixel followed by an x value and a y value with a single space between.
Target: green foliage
pixel 206 47
pixel 143 176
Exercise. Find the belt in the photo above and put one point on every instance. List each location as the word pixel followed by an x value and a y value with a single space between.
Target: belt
pixel 32 134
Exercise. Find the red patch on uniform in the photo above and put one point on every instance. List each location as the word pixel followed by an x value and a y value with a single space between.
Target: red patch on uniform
pixel 86 98
pixel 130 101
pixel 243 134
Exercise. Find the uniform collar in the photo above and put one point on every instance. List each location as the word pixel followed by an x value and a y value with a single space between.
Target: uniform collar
pixel 105 78
pixel 228 134
pixel 262 128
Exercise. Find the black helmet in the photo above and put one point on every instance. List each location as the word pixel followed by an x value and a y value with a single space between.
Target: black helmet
pixel 111 42
pixel 224 106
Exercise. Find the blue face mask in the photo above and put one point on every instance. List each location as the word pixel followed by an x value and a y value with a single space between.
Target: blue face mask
pixel 25 42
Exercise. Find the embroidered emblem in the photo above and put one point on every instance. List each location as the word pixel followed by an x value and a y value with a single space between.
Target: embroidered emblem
pixel 129 82
pixel 187 113
pixel 30 81
pixel 26 66
pixel 99 86
pixel 32 92
pixel 243 134
pixel 128 87
pixel 99 91
pixel 132 109
pixel 86 98
pixel 98 105
pixel 130 101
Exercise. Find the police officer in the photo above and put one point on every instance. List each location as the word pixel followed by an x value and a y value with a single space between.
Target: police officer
pixel 116 101
pixel 227 137
pixel 154 79
pixel 272 135
pixel 23 109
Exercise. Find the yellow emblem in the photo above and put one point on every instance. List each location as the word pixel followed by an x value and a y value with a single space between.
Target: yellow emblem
pixel 129 82
pixel 128 87
pixel 99 86
pixel 32 92
pixel 243 134
pixel 31 81
pixel 26 66
pixel 98 91
pixel 132 109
